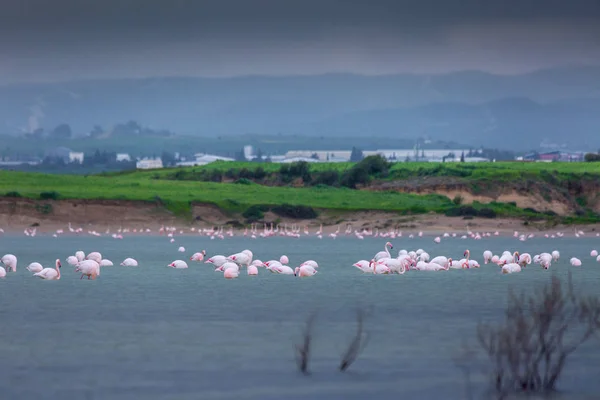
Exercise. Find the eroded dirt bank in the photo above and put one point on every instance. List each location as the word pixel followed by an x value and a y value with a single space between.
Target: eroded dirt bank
pixel 16 214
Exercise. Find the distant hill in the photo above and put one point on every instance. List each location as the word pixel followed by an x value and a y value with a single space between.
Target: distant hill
pixel 561 104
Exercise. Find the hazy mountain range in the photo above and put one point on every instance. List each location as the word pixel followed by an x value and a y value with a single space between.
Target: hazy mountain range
pixel 560 105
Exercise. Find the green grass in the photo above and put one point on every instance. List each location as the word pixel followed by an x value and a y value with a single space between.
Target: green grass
pixel 475 171
pixel 177 196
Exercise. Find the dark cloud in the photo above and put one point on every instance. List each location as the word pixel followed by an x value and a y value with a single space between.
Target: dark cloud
pixel 58 39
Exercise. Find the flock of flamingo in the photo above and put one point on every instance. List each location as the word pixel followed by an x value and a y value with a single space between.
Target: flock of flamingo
pixel 381 263
pixel 419 260
pixel 284 230
pixel 89 265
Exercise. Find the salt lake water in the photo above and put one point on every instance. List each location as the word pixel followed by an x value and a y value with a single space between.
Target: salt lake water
pixel 154 332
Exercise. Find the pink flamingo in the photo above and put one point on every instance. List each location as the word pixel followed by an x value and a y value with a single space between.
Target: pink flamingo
pixel 231 273
pixel 198 256
pixel 252 269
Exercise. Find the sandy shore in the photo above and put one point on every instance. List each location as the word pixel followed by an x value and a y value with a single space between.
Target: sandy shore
pixel 110 215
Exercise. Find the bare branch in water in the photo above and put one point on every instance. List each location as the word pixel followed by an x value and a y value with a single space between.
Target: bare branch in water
pixel 540 330
pixel 302 350
pixel 358 343
pixel 464 362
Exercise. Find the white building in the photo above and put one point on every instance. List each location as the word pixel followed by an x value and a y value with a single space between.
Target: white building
pixel 248 152
pixel 203 159
pixel 149 163
pixel 298 159
pixel 123 157
pixel 76 157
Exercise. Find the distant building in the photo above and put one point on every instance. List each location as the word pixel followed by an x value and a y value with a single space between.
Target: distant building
pixel 149 163
pixel 389 154
pixel 123 157
pixel 298 159
pixel 76 157
pixel 248 152
pixel 59 152
pixel 553 156
pixel 203 159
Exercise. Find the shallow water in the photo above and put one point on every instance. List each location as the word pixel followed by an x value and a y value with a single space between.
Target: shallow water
pixel 157 333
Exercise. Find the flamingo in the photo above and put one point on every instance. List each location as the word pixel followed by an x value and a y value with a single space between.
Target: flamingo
pixel 284 260
pixel 555 255
pixel 106 263
pixel 72 260
pixel 385 253
pixel 576 262
pixel 34 267
pixel 524 259
pixel 80 255
pixel 50 273
pixel 511 268
pixel 89 268
pixel 363 265
pixel 487 256
pixel 253 269
pixel 312 263
pixel 454 264
pixel 231 273
pixel 305 270
pixel 379 269
pixel 10 262
pixel 94 256
pixel 394 264
pixel 594 253
pixel 181 249
pixel 217 261
pixel 198 256
pixel 243 258
pixel 179 264
pixel 425 266
pixel 439 260
pixel 129 262
pixel 228 265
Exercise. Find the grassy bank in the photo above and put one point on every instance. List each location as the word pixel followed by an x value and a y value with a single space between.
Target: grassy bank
pixel 240 195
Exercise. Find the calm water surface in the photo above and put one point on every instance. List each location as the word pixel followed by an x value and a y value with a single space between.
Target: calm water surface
pixel 157 333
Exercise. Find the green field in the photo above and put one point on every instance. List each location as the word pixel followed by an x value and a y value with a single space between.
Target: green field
pixel 488 170
pixel 178 195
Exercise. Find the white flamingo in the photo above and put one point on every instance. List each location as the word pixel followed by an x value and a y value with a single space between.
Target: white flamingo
pixel 487 256
pixel 80 255
pixel 89 268
pixel 129 262
pixel 178 264
pixel 385 253
pixel 216 261
pixel 94 255
pixel 511 268
pixel 10 262
pixel 35 267
pixel 51 274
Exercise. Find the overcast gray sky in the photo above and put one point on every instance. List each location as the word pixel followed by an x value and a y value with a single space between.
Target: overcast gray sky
pixel 43 40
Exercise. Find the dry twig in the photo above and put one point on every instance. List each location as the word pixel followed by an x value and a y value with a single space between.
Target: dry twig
pixel 529 349
pixel 358 343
